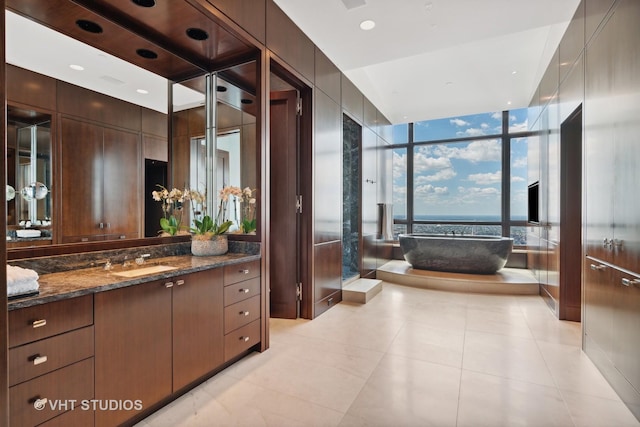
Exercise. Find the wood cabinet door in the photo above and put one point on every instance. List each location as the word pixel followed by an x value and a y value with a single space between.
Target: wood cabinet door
pixel 81 172
pixel 197 326
pixel 132 347
pixel 122 182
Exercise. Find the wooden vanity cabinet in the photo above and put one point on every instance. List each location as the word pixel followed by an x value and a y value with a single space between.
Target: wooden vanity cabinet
pixel 133 347
pixel 100 176
pixel 242 311
pixel 156 338
pixel 197 326
pixel 51 361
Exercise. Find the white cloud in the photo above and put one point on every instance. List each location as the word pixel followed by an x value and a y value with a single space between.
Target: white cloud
pixel 520 162
pixel 519 127
pixel 484 126
pixel 441 175
pixel 429 190
pixel 517 179
pixel 399 165
pixel 459 122
pixel 476 151
pixel 472 132
pixel 486 178
pixel 497 115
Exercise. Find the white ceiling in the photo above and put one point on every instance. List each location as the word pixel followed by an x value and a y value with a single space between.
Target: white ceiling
pixel 428 59
pixel 425 59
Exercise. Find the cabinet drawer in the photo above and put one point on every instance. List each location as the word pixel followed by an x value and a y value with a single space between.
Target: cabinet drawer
pixel 241 291
pixel 38 358
pixel 42 321
pixel 241 339
pixel 241 313
pixel 77 417
pixel 75 382
pixel 239 272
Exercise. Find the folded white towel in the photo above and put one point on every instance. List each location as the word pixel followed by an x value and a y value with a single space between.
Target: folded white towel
pixel 17 276
pixel 23 288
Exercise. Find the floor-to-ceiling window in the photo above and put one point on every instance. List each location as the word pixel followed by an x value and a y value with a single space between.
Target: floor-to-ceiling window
pixel 462 175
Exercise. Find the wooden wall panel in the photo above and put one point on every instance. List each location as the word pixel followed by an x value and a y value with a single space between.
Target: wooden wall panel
pixel 249 14
pixel 328 77
pixel 287 41
pixel 327 169
pixel 154 122
pixel 327 275
pixel 30 88
pixel 94 106
pixel 4 373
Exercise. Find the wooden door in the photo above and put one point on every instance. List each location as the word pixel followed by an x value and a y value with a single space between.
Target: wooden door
pixel 81 171
pixel 284 236
pixel 122 181
pixel 132 347
pixel 198 337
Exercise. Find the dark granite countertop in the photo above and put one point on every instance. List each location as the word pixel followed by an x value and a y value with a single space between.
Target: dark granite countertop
pixel 74 283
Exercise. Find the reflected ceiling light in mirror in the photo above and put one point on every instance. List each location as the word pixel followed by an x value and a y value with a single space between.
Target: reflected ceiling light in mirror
pixel 37 48
pixel 246 101
pixel 367 25
pixel 76 67
pixel 220 88
pixel 142 91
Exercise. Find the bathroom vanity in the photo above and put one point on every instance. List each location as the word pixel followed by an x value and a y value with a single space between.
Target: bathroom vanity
pixel 108 346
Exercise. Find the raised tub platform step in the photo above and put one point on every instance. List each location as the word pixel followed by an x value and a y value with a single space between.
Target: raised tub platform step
pixel 361 290
pixel 510 281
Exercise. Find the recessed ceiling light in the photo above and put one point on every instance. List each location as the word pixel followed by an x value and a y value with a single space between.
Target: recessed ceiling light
pixel 508 102
pixel 367 25
pixel 197 34
pixel 76 67
pixel 514 72
pixel 142 91
pixel 246 101
pixel 89 26
pixel 144 3
pixel 147 54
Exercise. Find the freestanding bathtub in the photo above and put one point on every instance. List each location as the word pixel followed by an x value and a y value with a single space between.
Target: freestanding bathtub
pixel 457 254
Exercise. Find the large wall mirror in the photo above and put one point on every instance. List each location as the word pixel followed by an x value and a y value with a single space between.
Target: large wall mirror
pixel 29 174
pixel 191 158
pixel 219 156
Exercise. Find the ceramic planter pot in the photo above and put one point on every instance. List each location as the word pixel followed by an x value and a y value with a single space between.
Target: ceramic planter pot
pixel 215 245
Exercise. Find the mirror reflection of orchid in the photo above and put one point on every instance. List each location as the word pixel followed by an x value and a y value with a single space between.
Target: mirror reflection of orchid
pixel 247 201
pixel 204 225
pixel 172 201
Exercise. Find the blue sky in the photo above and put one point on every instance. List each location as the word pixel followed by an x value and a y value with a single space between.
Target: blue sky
pixel 462 178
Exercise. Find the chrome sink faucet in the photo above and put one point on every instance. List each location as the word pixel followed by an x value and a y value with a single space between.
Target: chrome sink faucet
pixel 140 258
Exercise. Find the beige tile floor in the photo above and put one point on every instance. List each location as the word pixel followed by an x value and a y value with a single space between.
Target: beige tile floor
pixel 411 357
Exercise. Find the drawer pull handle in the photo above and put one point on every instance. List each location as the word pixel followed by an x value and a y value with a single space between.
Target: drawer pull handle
pixel 245 271
pixel 630 282
pixel 244 291
pixel 245 339
pixel 38 360
pixel 168 285
pixel 244 313
pixel 595 267
pixel 39 323
pixel 179 282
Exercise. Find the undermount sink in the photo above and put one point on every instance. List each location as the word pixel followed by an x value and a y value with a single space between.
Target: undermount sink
pixel 144 271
